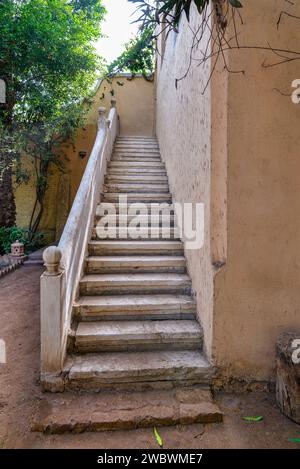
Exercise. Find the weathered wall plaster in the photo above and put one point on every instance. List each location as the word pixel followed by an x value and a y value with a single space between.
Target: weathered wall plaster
pixel 236 150
pixel 184 133
pixel 257 292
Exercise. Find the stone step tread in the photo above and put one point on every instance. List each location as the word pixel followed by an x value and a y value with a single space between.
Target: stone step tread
pixel 136 153
pixel 120 330
pixel 138 164
pixel 164 212
pixel 142 235
pixel 137 260
pixel 119 217
pixel 139 196
pixel 136 150
pixel 107 411
pixel 138 278
pixel 133 159
pixel 148 138
pixel 135 187
pixel 140 143
pixel 135 307
pixel 123 178
pixel 136 157
pixel 136 171
pixel 120 335
pixel 137 302
pixel 137 246
pixel 147 153
pixel 125 367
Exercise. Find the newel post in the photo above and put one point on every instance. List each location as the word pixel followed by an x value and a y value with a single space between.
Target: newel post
pixel 52 297
pixel 101 118
pixel 113 102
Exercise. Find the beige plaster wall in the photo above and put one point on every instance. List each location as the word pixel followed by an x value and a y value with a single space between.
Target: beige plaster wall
pixel 184 134
pixel 135 103
pixel 236 150
pixel 257 292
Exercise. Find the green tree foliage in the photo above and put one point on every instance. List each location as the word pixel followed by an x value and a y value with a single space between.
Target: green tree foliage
pixel 49 63
pixel 138 56
pixel 170 11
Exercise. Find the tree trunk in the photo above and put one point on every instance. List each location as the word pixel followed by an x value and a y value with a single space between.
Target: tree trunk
pixel 7 199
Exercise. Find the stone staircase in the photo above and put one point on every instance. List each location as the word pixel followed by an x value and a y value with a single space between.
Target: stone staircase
pixel 134 324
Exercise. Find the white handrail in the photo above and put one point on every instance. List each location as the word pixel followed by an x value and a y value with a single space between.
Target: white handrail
pixel 65 263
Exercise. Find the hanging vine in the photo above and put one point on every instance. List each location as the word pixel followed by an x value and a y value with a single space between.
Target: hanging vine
pixel 215 18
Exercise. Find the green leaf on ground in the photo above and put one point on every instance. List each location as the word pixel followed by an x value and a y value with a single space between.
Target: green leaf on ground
pixel 294 440
pixel 158 437
pixel 253 419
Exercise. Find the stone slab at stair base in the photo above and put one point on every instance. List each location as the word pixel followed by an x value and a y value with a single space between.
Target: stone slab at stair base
pixel 78 413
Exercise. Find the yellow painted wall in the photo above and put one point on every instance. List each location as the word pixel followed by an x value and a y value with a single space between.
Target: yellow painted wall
pixel 236 149
pixel 135 104
pixel 257 292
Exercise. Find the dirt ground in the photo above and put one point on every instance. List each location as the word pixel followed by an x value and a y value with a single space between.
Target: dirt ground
pixel 20 392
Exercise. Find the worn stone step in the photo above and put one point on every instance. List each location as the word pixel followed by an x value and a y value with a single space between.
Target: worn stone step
pixel 128 410
pixel 108 247
pixel 135 307
pixel 132 264
pixel 136 164
pixel 106 284
pixel 128 233
pixel 132 208
pixel 143 220
pixel 132 159
pixel 135 187
pixel 123 178
pixel 136 154
pixel 112 336
pixel 136 145
pixel 130 369
pixel 152 171
pixel 136 138
pixel 137 197
pixel 136 157
pixel 136 150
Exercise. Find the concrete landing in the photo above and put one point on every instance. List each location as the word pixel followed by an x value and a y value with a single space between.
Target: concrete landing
pixel 78 413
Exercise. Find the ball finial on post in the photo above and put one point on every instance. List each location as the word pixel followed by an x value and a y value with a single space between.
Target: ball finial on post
pixel 52 256
pixel 113 102
pixel 101 119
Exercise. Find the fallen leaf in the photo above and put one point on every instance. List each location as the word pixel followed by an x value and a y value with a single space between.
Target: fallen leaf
pixel 253 419
pixel 158 437
pixel 294 440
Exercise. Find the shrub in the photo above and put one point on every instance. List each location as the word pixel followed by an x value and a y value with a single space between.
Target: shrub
pixel 32 241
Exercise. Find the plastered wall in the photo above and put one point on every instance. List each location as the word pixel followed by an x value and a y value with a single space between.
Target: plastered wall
pixel 236 150
pixel 184 132
pixel 257 292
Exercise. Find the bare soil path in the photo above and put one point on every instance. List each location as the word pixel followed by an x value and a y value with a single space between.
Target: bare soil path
pixel 20 393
